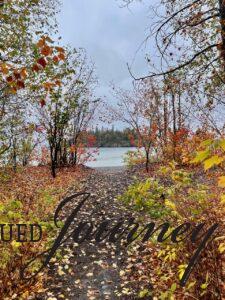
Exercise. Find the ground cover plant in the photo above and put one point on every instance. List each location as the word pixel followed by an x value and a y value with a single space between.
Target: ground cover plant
pixel 29 197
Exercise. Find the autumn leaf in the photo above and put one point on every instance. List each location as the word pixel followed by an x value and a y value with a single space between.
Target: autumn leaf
pixel 17 74
pixel 61 56
pixel 222 144
pixel 35 68
pixel 48 85
pixel 20 84
pixel 201 156
pixel 4 69
pixel 222 199
pixel 42 102
pixel 58 82
pixel 221 182
pixel 9 79
pixel 55 59
pixel 41 43
pixel 206 143
pixel 221 248
pixel 23 73
pixel 46 50
pixel 41 61
pixel 48 39
pixel 13 90
pixel 212 161
pixel 170 204
pixel 60 49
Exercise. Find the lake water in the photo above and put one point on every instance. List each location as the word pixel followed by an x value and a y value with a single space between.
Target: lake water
pixel 109 157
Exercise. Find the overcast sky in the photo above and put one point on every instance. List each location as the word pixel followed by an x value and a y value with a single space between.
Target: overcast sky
pixel 110 34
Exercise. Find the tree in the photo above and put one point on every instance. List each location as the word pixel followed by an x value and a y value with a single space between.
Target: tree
pixel 67 108
pixel 201 26
pixel 81 87
pixel 190 39
pixel 39 74
pixel 140 110
pixel 22 26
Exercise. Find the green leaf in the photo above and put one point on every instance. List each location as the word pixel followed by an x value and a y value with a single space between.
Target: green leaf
pixel 143 293
pixel 173 287
pixel 206 143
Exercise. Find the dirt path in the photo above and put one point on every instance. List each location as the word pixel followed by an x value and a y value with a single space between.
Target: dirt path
pixel 91 271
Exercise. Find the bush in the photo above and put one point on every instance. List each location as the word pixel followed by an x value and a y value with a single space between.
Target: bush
pixel 157 268
pixel 28 197
pixel 146 196
pixel 133 158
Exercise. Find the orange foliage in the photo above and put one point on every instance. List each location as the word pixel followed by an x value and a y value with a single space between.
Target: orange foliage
pixel 15 77
pixel 192 144
pixel 38 194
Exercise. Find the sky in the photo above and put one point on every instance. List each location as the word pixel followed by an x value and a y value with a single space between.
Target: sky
pixel 111 36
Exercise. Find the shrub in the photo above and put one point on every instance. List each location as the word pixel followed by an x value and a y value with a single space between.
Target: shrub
pixel 133 158
pixel 157 268
pixel 29 197
pixel 146 196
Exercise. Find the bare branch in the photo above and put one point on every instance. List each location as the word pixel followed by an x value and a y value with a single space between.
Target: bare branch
pixel 176 68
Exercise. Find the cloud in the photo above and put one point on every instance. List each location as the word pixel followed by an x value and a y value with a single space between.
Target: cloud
pixel 111 36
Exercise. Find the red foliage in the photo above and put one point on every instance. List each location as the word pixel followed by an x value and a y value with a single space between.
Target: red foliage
pixel 35 68
pixel 42 61
pixel 43 102
pixel 20 84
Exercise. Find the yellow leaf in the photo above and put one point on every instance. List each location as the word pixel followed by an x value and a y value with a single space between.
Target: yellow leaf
pixel 15 244
pixel 201 156
pixel 222 144
pixel 191 284
pixel 222 199
pixel 170 204
pixel 221 182
pixel 204 286
pixel 212 161
pixel 4 69
pixel 206 143
pixel 23 73
pixel 221 248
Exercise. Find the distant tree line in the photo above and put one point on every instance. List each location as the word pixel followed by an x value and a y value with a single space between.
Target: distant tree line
pixel 113 137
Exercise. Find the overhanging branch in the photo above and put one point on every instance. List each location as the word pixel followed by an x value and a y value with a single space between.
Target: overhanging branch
pixel 176 68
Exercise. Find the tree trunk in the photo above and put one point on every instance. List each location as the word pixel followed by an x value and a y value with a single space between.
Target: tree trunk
pixel 64 156
pixel 165 125
pixel 60 156
pixel 174 126
pixel 53 169
pixel 179 111
pixel 147 161
pixel 53 160
pixel 75 157
pixel 222 22
pixel 25 161
pixel 14 156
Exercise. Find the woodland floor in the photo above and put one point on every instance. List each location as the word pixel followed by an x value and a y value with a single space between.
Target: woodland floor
pixel 91 271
